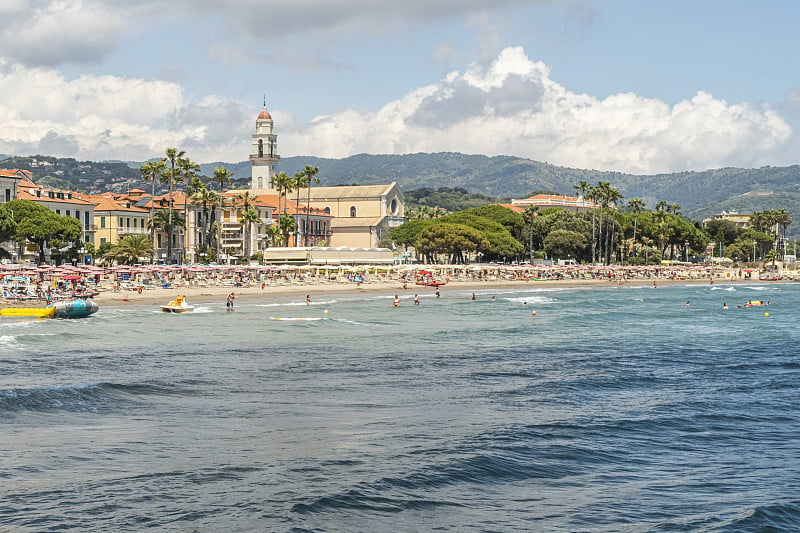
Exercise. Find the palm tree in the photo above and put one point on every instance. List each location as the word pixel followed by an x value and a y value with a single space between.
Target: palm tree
pixel 311 173
pixel 222 176
pixel 164 220
pixel 249 216
pixel 271 235
pixel 151 171
pixel 299 180
pixel 189 173
pixel 636 205
pixel 246 198
pixel 582 188
pixel 531 212
pixel 132 247
pixel 171 176
pixel 283 183
pixel 675 208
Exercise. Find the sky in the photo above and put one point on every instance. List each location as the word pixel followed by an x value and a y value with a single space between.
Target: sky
pixel 632 86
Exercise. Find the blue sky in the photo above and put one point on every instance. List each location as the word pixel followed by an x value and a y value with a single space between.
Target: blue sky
pixel 627 85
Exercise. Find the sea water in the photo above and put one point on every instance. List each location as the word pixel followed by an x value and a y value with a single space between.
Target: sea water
pixel 617 408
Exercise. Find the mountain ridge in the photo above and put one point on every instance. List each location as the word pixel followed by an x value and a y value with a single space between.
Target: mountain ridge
pixel 699 193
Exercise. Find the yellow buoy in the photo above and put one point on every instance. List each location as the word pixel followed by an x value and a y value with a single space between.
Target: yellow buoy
pixel 766 314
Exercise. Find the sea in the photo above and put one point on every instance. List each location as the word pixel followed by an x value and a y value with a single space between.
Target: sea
pixel 536 408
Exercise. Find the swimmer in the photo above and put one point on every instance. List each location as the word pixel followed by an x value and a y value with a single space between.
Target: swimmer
pixel 416 299
pixel 396 302
pixel 725 305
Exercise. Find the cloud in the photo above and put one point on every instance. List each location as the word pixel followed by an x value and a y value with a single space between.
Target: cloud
pixel 512 107
pixel 52 32
pixel 109 117
pixel 507 106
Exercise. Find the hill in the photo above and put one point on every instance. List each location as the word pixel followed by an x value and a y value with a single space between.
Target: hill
pixel 699 194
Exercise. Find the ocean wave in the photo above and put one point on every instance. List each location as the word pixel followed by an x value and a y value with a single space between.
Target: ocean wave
pixel 776 517
pixel 86 397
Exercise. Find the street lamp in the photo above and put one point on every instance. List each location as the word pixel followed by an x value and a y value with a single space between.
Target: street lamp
pixel 754 251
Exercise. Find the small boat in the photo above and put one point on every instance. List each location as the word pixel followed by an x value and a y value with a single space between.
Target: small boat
pixel 178 305
pixel 74 308
pixel 296 318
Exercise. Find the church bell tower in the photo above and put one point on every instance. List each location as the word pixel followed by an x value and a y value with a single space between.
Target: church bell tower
pixel 264 154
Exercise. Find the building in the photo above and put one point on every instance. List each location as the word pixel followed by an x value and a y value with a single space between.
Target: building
pixel 544 201
pixel 356 216
pixel 117 216
pixel 61 202
pixel 264 153
pixel 741 221
pixel 8 183
pixel 362 214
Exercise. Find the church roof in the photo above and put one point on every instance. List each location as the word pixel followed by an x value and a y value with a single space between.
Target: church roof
pixel 350 191
pixel 264 115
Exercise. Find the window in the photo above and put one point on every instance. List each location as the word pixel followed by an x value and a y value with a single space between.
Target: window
pixel 8 195
pixel 102 222
pixel 352 211
pixel 128 222
pixel 327 210
pixel 86 219
pixel 102 241
pixel 120 222
pixel 58 211
pixel 68 213
pixel 261 148
pixel 393 206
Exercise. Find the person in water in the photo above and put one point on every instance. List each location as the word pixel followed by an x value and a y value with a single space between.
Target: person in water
pixel 416 299
pixel 396 302
pixel 308 299
pixel 229 302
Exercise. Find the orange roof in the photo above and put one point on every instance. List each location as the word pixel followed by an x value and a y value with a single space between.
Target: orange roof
pixel 28 193
pixel 103 202
pixel 513 207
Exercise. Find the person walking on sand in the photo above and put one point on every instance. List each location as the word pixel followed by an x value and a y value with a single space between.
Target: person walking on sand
pixel 229 301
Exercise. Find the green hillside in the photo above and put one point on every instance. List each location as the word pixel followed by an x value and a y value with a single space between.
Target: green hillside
pixel 699 194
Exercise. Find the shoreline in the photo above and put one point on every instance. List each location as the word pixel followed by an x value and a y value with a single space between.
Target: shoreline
pixel 204 295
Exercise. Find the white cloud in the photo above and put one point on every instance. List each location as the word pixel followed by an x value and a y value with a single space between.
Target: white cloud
pixel 52 32
pixel 512 107
pixel 109 117
pixel 509 106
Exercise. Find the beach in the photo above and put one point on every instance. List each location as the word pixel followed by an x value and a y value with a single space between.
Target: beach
pixel 201 295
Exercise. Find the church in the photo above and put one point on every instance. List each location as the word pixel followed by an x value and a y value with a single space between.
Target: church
pixel 362 215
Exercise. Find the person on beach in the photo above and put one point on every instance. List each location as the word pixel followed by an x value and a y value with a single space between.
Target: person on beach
pixel 229 302
pixel 416 299
pixel 396 302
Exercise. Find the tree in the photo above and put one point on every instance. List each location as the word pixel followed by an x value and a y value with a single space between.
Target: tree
pixel 249 217
pixel 501 244
pixel 406 234
pixel 189 175
pixel 453 239
pixel 164 220
pixel 530 214
pixel 152 171
pixel 311 173
pixel 565 244
pixel 221 176
pixel 171 176
pixel 132 247
pixel 283 183
pixel 38 225
pixel 636 205
pixel 514 222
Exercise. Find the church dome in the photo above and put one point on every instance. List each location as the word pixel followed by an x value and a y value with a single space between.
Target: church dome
pixel 264 115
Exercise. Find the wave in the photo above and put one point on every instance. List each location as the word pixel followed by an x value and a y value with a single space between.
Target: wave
pixel 775 517
pixel 86 397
